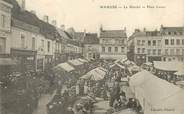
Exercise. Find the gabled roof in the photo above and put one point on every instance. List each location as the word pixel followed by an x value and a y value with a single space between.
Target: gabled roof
pixel 91 38
pixel 138 34
pixel 46 29
pixel 63 34
pixel 113 34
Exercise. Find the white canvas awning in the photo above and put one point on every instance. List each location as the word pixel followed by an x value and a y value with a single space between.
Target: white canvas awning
pixel 153 92
pixel 95 74
pixel 66 67
pixel 180 72
pixel 75 62
pixel 168 66
pixel 116 64
pixel 82 60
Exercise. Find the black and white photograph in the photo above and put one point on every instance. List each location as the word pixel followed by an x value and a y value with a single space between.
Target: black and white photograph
pixel 91 56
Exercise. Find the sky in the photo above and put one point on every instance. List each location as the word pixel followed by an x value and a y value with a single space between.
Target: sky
pixel 87 14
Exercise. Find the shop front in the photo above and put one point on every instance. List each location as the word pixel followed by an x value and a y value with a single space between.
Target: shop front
pixel 25 59
pixel 154 58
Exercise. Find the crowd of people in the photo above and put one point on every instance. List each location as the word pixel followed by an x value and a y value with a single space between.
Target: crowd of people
pixel 20 92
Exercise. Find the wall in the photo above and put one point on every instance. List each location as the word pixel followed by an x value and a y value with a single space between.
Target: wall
pixel 5 9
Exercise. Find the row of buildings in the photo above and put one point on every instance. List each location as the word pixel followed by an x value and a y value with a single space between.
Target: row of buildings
pixel 35 44
pixel 166 44
pixel 31 43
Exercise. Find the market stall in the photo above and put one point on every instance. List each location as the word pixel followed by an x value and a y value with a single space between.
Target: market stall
pixel 117 66
pixel 155 95
pixel 83 60
pixel 95 74
pixel 75 62
pixel 168 66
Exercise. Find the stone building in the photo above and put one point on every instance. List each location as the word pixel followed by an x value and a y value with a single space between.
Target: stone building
pixel 113 44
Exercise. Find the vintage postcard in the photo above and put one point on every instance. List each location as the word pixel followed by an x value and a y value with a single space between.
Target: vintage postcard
pixel 91 56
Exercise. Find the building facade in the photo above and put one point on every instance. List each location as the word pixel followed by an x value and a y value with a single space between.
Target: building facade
pixel 91 46
pixel 5 28
pixel 173 43
pixel 113 44
pixel 163 45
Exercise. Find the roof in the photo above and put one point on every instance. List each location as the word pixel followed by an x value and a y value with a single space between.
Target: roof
pixel 63 34
pixel 48 30
pixel 79 36
pixel 75 62
pixel 179 29
pixel 65 66
pixel 113 34
pixel 145 34
pixel 91 38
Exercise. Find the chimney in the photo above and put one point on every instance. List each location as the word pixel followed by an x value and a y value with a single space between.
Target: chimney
pixel 54 23
pixel 22 4
pixel 33 12
pixel 62 27
pixel 101 28
pixel 46 19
